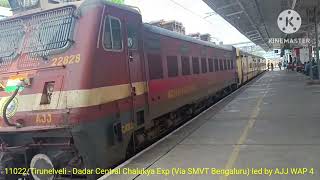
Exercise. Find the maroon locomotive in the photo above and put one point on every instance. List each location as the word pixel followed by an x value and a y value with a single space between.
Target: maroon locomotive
pixel 86 84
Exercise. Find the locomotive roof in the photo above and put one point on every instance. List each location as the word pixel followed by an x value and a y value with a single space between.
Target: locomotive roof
pixel 165 32
pixel 78 4
pixel 124 7
pixel 108 3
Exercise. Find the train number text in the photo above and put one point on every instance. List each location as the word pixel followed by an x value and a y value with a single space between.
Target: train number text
pixel 60 61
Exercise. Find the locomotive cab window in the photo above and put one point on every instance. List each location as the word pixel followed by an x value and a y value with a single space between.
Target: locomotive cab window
pixel 112 38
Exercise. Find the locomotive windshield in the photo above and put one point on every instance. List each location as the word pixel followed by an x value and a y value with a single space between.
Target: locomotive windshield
pixel 37 35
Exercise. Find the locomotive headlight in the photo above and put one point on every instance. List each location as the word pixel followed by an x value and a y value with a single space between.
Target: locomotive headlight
pixel 50 88
pixel 47 93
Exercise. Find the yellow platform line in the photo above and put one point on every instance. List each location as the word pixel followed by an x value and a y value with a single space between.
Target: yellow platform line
pixel 235 153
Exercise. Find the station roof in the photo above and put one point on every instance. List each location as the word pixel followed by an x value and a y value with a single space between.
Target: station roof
pixel 257 19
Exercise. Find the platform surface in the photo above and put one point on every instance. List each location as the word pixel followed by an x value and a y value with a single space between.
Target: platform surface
pixel 273 123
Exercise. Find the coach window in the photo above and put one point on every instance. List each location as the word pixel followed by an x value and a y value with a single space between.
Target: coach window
pixel 221 64
pixel 195 65
pixel 216 64
pixel 231 64
pixel 172 64
pixel 204 67
pixel 210 62
pixel 228 64
pixel 225 64
pixel 185 65
pixel 112 39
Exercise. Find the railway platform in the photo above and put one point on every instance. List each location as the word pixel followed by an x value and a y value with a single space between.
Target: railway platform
pixel 271 123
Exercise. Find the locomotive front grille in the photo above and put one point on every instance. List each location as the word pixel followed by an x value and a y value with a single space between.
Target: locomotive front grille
pixel 11 35
pixel 51 31
pixel 38 35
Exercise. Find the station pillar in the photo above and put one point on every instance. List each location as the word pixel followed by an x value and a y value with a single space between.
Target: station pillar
pixel 317 38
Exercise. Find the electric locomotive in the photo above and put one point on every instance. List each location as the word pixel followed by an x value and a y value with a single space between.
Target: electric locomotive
pixel 85 84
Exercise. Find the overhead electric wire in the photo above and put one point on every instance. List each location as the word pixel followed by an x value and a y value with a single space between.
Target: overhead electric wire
pixel 193 13
pixel 183 7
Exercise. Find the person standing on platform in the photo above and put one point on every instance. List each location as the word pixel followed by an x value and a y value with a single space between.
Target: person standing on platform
pixel 280 64
pixel 307 68
pixel 271 66
pixel 268 66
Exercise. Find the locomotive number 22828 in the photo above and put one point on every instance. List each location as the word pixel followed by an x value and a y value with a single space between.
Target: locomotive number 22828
pixel 72 59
